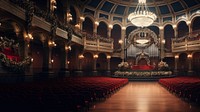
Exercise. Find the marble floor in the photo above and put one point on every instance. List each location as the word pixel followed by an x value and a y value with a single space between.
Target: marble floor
pixel 143 97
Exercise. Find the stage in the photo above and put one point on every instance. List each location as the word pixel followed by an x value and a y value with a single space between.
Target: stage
pixel 143 74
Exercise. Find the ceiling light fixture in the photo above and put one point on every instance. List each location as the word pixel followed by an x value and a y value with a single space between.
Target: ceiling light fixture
pixel 142 17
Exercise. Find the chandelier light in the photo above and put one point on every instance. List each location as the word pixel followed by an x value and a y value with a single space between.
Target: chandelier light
pixel 142 38
pixel 142 17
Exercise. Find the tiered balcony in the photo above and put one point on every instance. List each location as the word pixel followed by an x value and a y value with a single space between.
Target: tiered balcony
pixel 42 19
pixel 97 43
pixel 190 42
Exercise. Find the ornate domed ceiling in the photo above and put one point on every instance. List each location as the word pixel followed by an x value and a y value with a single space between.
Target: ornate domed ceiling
pixel 165 9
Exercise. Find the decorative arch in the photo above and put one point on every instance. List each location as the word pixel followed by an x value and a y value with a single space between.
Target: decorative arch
pixel 87 62
pixel 88 26
pixel 116 35
pixel 168 35
pixel 195 23
pixel 182 28
pixel 102 29
pixel 101 62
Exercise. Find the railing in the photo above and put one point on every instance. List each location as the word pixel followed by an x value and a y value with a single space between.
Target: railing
pixel 190 42
pixel 97 43
pixel 90 42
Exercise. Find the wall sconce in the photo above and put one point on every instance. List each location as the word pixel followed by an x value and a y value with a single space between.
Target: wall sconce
pixel 96 23
pixel 120 41
pixel 82 18
pixel 161 27
pixel 77 26
pixel 68 48
pixel 95 56
pixel 189 56
pixel 108 57
pixel 176 56
pixel 174 26
pixel 110 26
pixel 123 28
pixel 188 22
pixel 81 56
pixel 163 41
pixel 29 36
pixel 53 5
pixel 52 61
pixel 52 44
pixel 69 16
pixel 31 59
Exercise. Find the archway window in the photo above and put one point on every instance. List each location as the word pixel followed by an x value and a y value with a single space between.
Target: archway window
pixel 196 24
pixel 102 29
pixel 182 29
pixel 116 35
pixel 168 35
pixel 88 26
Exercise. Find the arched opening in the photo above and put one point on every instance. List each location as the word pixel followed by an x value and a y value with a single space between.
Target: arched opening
pixel 116 35
pixel 101 62
pixel 196 24
pixel 36 48
pixel 196 63
pixel 114 61
pixel 102 29
pixel 182 29
pixel 88 26
pixel 87 63
pixel 74 16
pixel 182 64
pixel 155 29
pixel 168 35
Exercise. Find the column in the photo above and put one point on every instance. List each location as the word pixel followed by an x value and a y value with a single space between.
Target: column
pixel 123 44
pixel 110 27
pixel 162 52
pixel 190 72
pixel 176 64
pixel 96 24
pixel 47 64
pixel 175 31
pixel 189 27
pixel 108 65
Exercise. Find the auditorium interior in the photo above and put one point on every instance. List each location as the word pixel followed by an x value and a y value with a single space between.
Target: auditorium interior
pixel 100 55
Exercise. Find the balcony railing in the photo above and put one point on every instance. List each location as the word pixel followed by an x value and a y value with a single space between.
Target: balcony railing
pixel 97 43
pixel 190 42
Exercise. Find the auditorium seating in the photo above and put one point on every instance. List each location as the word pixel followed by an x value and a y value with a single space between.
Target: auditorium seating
pixel 69 94
pixel 185 87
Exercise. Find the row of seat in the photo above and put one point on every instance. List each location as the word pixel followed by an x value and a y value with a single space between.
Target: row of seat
pixel 68 94
pixel 185 87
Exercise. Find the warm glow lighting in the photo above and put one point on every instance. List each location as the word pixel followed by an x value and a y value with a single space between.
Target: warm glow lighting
pixel 174 26
pixel 82 18
pixel 52 61
pixel 68 48
pixel 142 41
pixel 163 41
pixel 96 23
pixel 108 57
pixel 188 22
pixel 142 17
pixel 110 26
pixel 123 28
pixel 69 16
pixel 176 56
pixel 81 56
pixel 120 41
pixel 95 56
pixel 77 26
pixel 161 27
pixel 189 56
pixel 31 59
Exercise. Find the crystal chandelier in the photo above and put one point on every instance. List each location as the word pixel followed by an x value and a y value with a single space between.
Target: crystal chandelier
pixel 142 17
pixel 142 38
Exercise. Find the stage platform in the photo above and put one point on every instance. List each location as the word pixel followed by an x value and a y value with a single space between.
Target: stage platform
pixel 143 75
